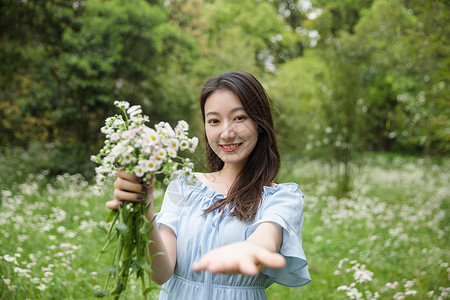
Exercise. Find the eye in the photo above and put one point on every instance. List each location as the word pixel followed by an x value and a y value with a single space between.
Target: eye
pixel 213 121
pixel 240 118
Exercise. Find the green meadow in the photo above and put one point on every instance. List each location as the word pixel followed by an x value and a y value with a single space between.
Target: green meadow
pixel 388 238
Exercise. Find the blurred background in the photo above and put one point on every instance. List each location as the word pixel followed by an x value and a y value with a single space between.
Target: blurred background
pixel 361 99
pixel 345 77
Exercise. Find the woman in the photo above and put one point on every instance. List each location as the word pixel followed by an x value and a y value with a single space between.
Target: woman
pixel 233 232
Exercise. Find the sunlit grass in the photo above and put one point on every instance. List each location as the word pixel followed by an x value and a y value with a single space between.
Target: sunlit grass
pixel 395 223
pixel 388 238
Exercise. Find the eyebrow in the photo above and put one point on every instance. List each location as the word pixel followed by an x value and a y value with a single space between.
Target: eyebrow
pixel 232 111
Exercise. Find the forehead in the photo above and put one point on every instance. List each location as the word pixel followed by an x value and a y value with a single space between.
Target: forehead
pixel 222 102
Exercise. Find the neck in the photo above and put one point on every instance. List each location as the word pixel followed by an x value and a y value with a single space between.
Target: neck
pixel 230 172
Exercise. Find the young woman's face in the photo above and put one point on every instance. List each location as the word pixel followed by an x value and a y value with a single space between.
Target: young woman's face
pixel 231 133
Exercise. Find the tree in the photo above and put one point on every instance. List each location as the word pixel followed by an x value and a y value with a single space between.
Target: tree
pixel 76 60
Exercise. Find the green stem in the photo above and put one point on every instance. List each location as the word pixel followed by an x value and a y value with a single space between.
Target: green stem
pixel 108 236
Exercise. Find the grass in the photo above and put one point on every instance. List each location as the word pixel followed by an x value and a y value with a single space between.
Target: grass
pixel 387 239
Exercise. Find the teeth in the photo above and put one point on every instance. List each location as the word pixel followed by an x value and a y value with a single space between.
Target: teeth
pixel 230 146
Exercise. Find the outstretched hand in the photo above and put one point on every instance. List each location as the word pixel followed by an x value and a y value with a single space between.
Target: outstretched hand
pixel 241 257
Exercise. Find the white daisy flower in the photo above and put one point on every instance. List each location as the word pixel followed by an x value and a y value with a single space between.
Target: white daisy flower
pixel 172 152
pixel 151 137
pixel 151 164
pixel 179 132
pixel 174 143
pixel 183 125
pixel 139 171
pixel 184 144
pixel 128 158
pixel 160 155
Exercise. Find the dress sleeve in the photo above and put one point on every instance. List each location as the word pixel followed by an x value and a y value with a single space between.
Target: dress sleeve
pixel 171 207
pixel 284 206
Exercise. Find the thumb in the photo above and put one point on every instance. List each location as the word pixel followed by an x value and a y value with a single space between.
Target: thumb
pixel 113 204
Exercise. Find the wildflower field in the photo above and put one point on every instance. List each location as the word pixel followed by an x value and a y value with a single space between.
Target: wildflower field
pixel 387 239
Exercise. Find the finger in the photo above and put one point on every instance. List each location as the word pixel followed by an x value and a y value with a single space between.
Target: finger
pixel 270 259
pixel 198 266
pixel 222 267
pixel 130 186
pixel 121 173
pixel 248 267
pixel 120 195
pixel 113 204
pixel 202 264
pixel 229 267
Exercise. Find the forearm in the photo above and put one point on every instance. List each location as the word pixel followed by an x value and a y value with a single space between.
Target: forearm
pixel 162 250
pixel 268 236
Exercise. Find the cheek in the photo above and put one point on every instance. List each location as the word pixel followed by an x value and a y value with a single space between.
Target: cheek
pixel 210 135
pixel 249 132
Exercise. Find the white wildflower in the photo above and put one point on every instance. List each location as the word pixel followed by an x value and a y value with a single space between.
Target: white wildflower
pixel 409 283
pixel 128 158
pixel 160 155
pixel 172 152
pixel 184 144
pixel 193 143
pixel 9 258
pixel 410 293
pixel 134 110
pixel 183 125
pixel 151 165
pixel 361 274
pixel 174 143
pixel 122 104
pixel 139 171
pixel 392 286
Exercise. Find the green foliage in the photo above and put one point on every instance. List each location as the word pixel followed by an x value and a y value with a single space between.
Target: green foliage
pixel 375 77
pixel 377 94
pixel 243 35
pixel 384 60
pixel 103 51
pixel 296 92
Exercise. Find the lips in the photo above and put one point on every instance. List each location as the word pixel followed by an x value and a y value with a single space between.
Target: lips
pixel 230 147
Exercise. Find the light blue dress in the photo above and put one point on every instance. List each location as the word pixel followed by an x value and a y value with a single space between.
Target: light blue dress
pixel 182 209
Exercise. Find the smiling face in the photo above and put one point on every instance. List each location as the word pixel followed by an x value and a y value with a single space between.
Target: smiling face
pixel 230 132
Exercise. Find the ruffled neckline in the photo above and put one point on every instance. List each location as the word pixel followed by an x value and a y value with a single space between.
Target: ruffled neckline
pixel 266 189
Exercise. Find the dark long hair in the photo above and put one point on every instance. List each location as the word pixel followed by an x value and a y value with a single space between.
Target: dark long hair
pixel 262 165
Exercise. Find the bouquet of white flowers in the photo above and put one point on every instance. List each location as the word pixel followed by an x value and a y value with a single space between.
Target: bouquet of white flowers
pixel 149 153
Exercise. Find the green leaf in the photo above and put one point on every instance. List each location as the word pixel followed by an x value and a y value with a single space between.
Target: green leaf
pixel 102 228
pixel 112 214
pixel 118 289
pixel 143 264
pixel 109 269
pixel 149 289
pixel 100 294
pixel 123 230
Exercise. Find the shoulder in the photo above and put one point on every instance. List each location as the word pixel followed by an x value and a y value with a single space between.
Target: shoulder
pixel 288 188
pixel 285 195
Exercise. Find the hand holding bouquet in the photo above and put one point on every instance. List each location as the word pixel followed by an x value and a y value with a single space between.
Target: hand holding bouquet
pixel 148 153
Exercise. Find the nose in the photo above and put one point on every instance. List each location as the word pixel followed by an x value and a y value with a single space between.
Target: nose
pixel 228 132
